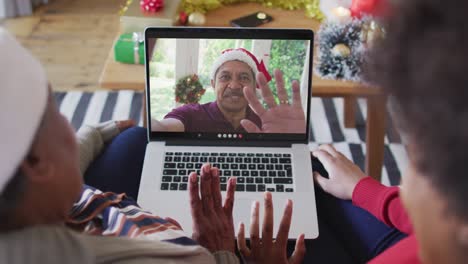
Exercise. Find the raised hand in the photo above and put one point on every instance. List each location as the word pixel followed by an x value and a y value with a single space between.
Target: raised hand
pixel 343 175
pixel 213 226
pixel 266 249
pixel 278 118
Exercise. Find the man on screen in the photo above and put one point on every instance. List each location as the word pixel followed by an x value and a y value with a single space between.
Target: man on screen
pixel 236 74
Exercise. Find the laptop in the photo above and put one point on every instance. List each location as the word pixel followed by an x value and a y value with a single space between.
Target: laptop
pixel 192 97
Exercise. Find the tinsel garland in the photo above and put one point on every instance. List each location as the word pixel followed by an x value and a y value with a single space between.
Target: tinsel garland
pixel 311 7
pixel 346 67
pixel 189 90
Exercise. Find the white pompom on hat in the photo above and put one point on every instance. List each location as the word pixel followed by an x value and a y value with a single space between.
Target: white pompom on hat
pixel 243 55
pixel 23 100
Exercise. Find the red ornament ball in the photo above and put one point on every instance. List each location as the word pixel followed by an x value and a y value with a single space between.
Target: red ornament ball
pixel 183 17
pixel 151 5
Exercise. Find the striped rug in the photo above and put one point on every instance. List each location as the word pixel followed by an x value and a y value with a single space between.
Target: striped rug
pixel 327 124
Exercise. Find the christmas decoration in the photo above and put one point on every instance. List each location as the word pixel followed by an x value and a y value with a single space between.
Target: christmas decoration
pixel 340 15
pixel 341 50
pixel 129 48
pixel 371 31
pixel 124 8
pixel 375 8
pixel 361 7
pixel 151 6
pixel 328 7
pixel 183 18
pixel 196 19
pixel 310 6
pixel 189 90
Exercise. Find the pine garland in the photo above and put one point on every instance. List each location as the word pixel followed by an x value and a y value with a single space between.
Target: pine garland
pixel 331 66
pixel 310 6
pixel 189 90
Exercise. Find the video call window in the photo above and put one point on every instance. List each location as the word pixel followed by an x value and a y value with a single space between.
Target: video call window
pixel 196 85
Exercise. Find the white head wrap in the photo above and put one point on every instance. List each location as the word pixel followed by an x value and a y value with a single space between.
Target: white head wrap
pixel 23 100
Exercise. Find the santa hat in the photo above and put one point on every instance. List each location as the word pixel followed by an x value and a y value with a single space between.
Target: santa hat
pixel 242 55
pixel 23 99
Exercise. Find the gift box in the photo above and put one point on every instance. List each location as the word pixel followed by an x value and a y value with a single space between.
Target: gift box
pixel 129 48
pixel 133 19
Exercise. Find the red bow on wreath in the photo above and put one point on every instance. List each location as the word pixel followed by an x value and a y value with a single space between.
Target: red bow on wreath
pixel 151 5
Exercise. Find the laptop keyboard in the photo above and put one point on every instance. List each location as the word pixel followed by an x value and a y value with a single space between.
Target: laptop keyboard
pixel 255 172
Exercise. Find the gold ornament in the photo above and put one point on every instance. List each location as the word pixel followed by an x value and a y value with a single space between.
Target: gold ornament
pixel 196 19
pixel 341 50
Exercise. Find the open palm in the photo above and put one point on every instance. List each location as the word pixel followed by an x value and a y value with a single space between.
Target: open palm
pixel 278 118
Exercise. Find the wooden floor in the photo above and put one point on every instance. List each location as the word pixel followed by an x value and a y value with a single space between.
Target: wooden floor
pixel 71 38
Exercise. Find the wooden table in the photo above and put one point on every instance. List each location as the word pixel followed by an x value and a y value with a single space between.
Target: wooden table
pixel 117 76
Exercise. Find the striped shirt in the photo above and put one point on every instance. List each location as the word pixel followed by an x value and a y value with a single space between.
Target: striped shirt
pixel 110 214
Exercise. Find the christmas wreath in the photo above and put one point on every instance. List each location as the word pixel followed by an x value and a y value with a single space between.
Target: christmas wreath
pixel 189 90
pixel 341 50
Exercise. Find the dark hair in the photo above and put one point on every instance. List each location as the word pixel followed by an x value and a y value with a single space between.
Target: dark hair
pixel 10 198
pixel 422 63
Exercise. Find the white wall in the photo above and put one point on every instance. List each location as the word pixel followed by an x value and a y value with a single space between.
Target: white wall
pixel 187 51
pixel 2 9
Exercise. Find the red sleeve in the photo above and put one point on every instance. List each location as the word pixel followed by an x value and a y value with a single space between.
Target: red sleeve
pixel 383 202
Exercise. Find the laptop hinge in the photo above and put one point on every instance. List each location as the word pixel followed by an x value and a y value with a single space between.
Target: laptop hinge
pixel 230 143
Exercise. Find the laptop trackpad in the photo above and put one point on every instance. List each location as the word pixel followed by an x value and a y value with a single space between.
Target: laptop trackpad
pixel 243 211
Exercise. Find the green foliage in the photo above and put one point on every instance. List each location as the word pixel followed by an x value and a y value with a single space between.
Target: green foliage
pixel 288 56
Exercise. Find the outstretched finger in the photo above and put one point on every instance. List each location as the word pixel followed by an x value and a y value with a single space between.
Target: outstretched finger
pixel 254 103
pixel 282 94
pixel 216 190
pixel 205 189
pixel 195 202
pixel 296 94
pixel 267 227
pixel 299 251
pixel 229 202
pixel 241 245
pixel 249 126
pixel 283 231
pixel 266 92
pixel 254 227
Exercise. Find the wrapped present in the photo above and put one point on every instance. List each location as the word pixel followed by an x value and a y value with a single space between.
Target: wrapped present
pixel 129 48
pixel 134 19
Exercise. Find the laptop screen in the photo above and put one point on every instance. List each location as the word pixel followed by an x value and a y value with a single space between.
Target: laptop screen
pixel 228 85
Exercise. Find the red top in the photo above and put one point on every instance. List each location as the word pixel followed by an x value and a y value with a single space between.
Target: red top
pixel 385 204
